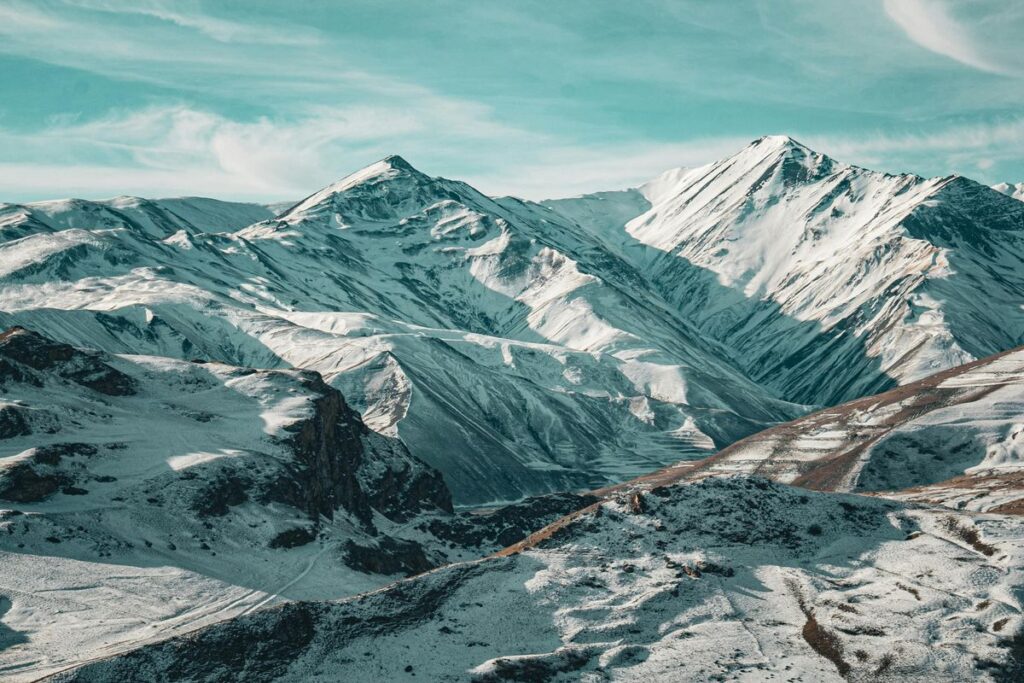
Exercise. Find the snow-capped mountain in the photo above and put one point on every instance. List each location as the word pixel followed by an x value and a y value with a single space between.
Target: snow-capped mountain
pixel 707 571
pixel 154 217
pixel 207 463
pixel 827 280
pixel 716 580
pixel 503 344
pixel 1015 190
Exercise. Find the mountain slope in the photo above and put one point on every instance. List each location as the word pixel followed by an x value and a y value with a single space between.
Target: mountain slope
pixel 829 281
pixel 143 496
pixel 955 438
pixel 707 581
pixel 505 346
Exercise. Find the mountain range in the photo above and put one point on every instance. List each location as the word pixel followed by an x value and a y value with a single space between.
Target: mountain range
pixel 209 410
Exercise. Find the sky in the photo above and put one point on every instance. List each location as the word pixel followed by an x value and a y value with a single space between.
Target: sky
pixel 269 101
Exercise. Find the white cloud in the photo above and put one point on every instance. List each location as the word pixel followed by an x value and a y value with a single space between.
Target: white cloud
pixel 164 150
pixel 1007 135
pixel 567 170
pixel 929 24
pixel 189 15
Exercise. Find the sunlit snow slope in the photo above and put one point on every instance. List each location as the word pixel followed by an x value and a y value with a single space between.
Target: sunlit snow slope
pixel 828 281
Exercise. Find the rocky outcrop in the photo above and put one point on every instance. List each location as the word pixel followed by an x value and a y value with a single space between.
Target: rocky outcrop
pixel 41 475
pixel 333 469
pixel 389 556
pixel 13 422
pixel 506 525
pixel 29 350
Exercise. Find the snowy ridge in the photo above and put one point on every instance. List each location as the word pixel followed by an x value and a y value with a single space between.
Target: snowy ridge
pixel 954 439
pixel 509 348
pixel 831 281
pixel 153 217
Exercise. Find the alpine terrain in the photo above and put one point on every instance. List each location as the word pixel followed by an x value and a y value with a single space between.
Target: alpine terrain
pixel 757 420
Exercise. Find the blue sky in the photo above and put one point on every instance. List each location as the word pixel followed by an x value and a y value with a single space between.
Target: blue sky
pixel 271 100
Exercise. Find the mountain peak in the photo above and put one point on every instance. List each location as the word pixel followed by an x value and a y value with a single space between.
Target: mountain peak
pixel 390 167
pixel 780 143
pixel 397 162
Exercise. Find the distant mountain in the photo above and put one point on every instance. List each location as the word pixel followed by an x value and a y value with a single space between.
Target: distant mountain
pixel 955 438
pixel 152 217
pixel 506 346
pixel 523 348
pixel 1016 190
pixel 827 281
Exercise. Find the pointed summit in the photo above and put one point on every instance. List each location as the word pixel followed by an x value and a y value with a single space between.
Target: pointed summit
pixel 391 167
pixel 397 162
pixel 782 145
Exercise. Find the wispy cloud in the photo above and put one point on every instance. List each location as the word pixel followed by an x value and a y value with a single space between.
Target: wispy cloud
pixel 182 150
pixel 190 15
pixel 568 170
pixel 185 51
pixel 929 24
pixel 973 149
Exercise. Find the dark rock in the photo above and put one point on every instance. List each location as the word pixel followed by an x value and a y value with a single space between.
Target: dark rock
pixel 29 349
pixel 292 538
pixel 74 491
pixel 13 422
pixel 389 556
pixel 507 525
pixel 21 483
pixel 54 453
pixel 221 493
pixel 328 450
pixel 408 487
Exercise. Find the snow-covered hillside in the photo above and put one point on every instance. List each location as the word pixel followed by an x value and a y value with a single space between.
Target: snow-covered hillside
pixel 505 345
pixel 143 496
pixel 522 348
pixel 719 580
pixel 955 438
pixel 828 281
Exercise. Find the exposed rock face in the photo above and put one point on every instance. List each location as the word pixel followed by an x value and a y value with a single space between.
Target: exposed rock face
pixel 19 346
pixel 334 468
pixel 24 483
pixel 328 450
pixel 293 538
pixel 42 474
pixel 406 487
pixel 389 556
pixel 13 422
pixel 506 525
